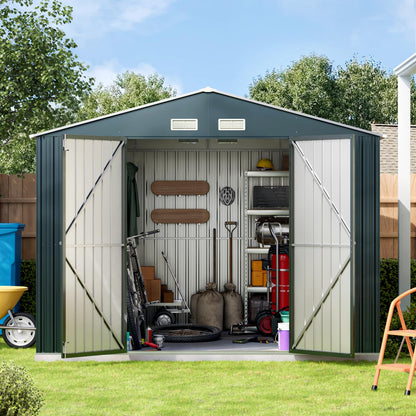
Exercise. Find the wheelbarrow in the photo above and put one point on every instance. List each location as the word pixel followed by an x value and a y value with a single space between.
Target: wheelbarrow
pixel 19 329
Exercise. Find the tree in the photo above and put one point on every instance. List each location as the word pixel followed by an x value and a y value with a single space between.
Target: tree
pixel 367 93
pixel 128 90
pixel 359 94
pixel 307 86
pixel 41 80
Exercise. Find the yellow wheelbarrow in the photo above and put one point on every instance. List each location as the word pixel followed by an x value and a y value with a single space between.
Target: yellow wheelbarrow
pixel 19 329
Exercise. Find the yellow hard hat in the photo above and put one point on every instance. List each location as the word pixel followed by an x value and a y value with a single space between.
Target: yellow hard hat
pixel 265 164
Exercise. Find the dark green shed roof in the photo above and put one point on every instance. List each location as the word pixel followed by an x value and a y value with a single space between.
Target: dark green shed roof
pixel 207 105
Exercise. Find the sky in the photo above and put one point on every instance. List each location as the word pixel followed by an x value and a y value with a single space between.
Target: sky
pixel 227 44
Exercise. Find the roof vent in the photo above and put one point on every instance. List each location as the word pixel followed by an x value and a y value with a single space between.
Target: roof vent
pixel 184 124
pixel 232 124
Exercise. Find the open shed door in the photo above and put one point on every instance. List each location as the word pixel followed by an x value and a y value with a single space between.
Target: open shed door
pixel 93 298
pixel 321 281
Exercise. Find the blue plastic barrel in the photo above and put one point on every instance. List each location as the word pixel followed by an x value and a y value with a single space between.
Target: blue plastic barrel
pixel 10 254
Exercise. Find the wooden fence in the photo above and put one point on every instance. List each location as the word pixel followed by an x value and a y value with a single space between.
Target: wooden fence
pixel 18 205
pixel 389 216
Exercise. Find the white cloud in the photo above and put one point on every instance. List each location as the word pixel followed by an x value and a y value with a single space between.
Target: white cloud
pixel 107 73
pixel 406 18
pixel 134 12
pixel 93 17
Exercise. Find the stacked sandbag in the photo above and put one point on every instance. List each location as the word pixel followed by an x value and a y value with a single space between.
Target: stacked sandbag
pixel 194 307
pixel 233 306
pixel 210 308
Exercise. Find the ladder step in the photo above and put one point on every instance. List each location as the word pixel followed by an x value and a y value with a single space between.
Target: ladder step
pixel 403 332
pixel 405 368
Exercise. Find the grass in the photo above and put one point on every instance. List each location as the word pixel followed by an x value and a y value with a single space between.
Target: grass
pixel 213 388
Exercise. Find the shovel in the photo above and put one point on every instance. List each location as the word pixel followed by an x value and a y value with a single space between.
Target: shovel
pixel 231 226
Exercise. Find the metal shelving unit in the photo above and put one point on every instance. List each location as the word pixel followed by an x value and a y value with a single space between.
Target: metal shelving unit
pixel 251 178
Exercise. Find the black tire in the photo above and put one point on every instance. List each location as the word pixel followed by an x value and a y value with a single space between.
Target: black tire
pixel 264 323
pixel 188 333
pixel 163 318
pixel 18 338
pixel 133 324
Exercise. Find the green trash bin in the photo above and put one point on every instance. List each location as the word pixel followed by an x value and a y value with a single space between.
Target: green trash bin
pixel 10 255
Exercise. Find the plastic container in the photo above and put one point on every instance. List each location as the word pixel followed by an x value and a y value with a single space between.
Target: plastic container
pixel 257 278
pixel 285 316
pixel 10 256
pixel 10 253
pixel 283 329
pixel 256 265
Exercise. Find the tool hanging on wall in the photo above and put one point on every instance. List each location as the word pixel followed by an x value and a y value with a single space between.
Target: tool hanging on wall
pixel 179 216
pixel 227 195
pixel 180 187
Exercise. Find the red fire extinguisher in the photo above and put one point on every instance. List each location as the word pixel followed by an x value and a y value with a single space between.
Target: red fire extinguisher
pixel 280 286
pixel 283 281
pixel 273 282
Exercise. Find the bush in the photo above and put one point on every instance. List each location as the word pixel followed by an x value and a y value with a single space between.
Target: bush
pixel 18 395
pixel 389 289
pixel 28 278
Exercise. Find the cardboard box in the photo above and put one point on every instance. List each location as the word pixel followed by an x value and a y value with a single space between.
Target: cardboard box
pixel 264 277
pixel 257 278
pixel 167 296
pixel 153 289
pixel 148 272
pixel 256 265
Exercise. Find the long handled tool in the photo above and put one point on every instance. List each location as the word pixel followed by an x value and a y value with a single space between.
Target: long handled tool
pixel 176 282
pixel 231 226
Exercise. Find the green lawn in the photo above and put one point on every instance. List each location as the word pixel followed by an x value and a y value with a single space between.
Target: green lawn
pixel 214 388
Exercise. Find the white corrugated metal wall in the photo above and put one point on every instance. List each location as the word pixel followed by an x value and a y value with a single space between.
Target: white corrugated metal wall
pixel 189 247
pixel 322 246
pixel 93 245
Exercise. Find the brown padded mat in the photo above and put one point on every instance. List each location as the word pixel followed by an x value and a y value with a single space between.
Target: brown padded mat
pixel 179 216
pixel 180 187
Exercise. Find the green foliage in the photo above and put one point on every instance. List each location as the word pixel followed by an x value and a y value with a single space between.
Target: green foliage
pixel 307 86
pixel 128 91
pixel 18 394
pixel 389 289
pixel 28 278
pixel 41 80
pixel 359 94
pixel 367 93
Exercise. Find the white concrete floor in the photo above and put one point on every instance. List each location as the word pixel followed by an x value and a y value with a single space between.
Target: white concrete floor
pixel 222 349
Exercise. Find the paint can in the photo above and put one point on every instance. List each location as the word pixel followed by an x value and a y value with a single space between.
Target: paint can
pixel 159 340
pixel 283 329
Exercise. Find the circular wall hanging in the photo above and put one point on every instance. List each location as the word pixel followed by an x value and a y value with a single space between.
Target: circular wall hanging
pixel 227 195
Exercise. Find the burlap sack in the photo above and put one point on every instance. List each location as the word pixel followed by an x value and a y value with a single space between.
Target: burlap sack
pixel 233 306
pixel 210 309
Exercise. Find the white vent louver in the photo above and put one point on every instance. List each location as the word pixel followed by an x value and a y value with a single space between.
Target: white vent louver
pixel 232 124
pixel 184 124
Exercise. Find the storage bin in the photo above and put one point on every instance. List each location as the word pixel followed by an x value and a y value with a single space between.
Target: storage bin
pixel 256 265
pixel 257 278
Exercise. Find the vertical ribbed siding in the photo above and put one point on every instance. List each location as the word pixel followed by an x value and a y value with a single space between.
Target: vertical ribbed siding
pixel 189 247
pixel 367 248
pixel 49 230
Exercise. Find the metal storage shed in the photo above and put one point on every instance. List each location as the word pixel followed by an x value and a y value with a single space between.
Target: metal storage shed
pixel 213 136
